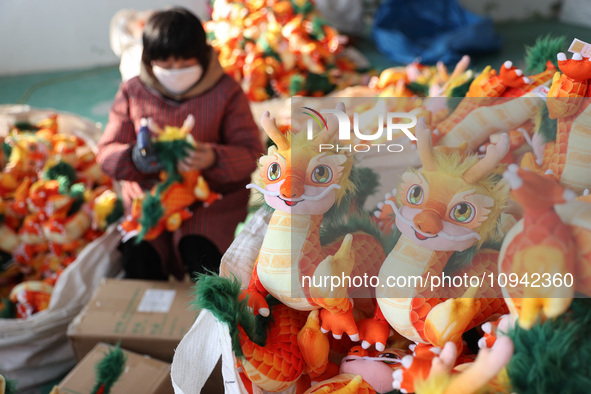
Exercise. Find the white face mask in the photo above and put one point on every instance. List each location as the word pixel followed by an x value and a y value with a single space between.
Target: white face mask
pixel 178 80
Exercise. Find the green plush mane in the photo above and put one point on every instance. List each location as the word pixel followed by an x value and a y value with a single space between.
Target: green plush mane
pixel 220 296
pixel 108 370
pixel 553 356
pixel 543 50
pixel 169 153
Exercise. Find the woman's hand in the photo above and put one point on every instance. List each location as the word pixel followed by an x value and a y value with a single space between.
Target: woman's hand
pixel 202 158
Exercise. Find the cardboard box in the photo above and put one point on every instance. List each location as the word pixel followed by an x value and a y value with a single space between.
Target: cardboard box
pixel 147 317
pixel 141 374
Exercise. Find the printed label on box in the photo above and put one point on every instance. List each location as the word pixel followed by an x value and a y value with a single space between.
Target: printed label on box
pixel 155 300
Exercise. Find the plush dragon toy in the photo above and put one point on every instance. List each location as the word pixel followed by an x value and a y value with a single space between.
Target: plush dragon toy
pixel 448 207
pixel 166 206
pixel 301 184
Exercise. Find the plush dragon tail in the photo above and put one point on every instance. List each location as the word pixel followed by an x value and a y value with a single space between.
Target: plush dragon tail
pixel 221 296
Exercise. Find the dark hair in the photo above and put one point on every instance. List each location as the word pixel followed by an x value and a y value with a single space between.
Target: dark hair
pixel 174 32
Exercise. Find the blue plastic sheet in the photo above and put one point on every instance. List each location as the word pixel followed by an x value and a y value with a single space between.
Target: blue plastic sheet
pixel 431 30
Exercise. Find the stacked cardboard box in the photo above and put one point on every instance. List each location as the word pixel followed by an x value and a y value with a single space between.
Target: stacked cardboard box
pixel 146 317
pixel 141 374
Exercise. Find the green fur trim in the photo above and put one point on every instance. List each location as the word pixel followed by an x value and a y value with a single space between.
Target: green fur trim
pixel 10 386
pixel 553 356
pixel 366 182
pixel 64 184
pixel 461 90
pixel 25 126
pixel 296 84
pixel 544 49
pixel 418 89
pixel 305 8
pixel 317 31
pixel 7 309
pixel 329 232
pixel 64 173
pixel 6 149
pixel 152 212
pixel 170 152
pixel 548 126
pixel 109 369
pixel 117 212
pixel 77 193
pixel 220 296
pixel 318 83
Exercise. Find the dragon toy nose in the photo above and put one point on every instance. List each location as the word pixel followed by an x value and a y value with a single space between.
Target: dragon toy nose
pixel 293 187
pixel 428 222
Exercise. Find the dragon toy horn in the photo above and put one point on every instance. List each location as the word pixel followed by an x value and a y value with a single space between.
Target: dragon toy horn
pixel 188 124
pixel 494 154
pixel 152 125
pixel 273 132
pixel 425 145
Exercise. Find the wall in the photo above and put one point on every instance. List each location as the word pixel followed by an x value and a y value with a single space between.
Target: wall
pixel 50 35
pixel 513 10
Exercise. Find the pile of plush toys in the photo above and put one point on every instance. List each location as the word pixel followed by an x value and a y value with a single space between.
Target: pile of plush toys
pixel 279 48
pixel 54 200
pixel 502 195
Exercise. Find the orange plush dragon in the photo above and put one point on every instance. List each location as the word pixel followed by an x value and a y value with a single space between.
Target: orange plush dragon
pixel 301 184
pixel 568 102
pixel 546 255
pixel 449 206
pixel 166 206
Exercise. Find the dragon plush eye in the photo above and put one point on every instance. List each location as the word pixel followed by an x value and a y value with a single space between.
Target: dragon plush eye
pixel 463 212
pixel 322 174
pixel 274 171
pixel 415 195
pixel 389 358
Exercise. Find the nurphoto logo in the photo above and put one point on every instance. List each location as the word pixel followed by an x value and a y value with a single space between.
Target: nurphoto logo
pixel 392 126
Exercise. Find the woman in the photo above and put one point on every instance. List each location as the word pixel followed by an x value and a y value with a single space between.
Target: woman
pixel 180 75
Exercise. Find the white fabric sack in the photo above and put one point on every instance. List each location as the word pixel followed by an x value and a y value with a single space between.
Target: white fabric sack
pixel 242 254
pixel 36 350
pixel 198 353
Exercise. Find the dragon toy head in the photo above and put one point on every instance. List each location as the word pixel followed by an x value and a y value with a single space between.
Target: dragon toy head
pixel 452 202
pixel 296 178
